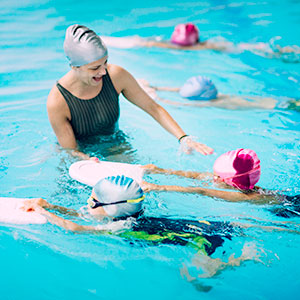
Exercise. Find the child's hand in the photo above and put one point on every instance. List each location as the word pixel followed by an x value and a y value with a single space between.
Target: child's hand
pixel 34 204
pixel 147 186
pixel 29 205
pixel 95 159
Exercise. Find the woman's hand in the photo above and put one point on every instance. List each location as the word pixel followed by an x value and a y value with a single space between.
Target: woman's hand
pixel 188 145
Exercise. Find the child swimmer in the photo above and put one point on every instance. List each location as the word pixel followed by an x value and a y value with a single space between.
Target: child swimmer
pixel 187 37
pixel 121 198
pixel 239 170
pixel 202 92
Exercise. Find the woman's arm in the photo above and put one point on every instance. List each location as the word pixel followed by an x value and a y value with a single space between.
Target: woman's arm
pixel 59 117
pixel 136 95
pixel 58 114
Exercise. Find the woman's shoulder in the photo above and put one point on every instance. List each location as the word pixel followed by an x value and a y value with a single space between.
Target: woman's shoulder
pixel 120 77
pixel 115 70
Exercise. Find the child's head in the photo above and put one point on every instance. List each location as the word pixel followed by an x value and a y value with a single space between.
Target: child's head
pixel 239 168
pixel 116 196
pixel 185 35
pixel 199 88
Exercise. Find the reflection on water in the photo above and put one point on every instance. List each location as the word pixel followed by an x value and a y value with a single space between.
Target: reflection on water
pixel 115 147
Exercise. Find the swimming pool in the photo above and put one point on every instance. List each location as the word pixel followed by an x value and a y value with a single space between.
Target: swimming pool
pixel 45 262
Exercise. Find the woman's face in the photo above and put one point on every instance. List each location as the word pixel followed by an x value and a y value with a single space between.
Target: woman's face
pixel 92 73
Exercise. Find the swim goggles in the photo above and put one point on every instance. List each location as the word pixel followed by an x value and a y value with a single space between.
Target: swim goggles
pixel 94 203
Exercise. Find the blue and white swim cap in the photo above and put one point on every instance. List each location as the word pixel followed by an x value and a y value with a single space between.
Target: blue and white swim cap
pixel 83 46
pixel 199 88
pixel 123 195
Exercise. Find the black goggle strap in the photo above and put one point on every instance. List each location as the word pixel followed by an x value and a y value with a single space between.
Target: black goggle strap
pixel 94 203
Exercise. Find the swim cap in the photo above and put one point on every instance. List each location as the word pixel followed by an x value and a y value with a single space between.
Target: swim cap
pixel 198 88
pixel 239 168
pixel 116 189
pixel 185 35
pixel 83 46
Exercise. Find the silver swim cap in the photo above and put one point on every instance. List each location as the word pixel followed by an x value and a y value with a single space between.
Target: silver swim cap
pixel 119 196
pixel 83 46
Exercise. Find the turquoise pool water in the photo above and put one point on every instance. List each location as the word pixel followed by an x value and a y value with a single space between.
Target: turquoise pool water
pixel 45 262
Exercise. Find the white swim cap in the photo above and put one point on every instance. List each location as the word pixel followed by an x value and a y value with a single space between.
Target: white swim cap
pixel 119 196
pixel 83 46
pixel 198 88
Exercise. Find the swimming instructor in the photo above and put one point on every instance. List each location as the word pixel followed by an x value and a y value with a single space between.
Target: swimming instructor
pixel 85 101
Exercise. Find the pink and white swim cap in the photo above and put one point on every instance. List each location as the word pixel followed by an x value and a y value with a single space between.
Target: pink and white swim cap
pixel 239 168
pixel 185 35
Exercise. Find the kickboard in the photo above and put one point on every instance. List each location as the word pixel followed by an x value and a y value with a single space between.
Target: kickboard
pixel 90 172
pixel 11 212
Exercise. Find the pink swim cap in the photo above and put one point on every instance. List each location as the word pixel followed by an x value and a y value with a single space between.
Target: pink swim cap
pixel 239 168
pixel 185 35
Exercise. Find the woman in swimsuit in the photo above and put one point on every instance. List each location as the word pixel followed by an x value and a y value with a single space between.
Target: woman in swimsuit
pixel 84 102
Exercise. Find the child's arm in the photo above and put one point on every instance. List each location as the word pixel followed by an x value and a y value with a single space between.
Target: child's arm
pixel 153 169
pixel 166 88
pixel 32 204
pixel 66 224
pixel 225 195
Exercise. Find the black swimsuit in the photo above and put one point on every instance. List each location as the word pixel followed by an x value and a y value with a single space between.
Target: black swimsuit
pixel 98 115
pixel 201 235
pixel 289 208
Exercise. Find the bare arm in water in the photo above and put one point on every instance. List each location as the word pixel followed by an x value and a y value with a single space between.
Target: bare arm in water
pixel 233 102
pixel 231 196
pixel 33 204
pixel 40 206
pixel 136 41
pixel 153 169
pixel 61 222
pixel 235 196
